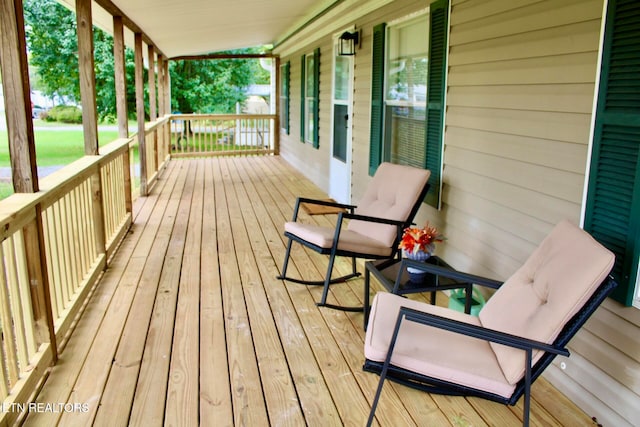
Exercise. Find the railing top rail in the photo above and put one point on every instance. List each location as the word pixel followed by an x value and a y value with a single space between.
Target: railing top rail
pixel 17 209
pixel 221 116
pixel 151 126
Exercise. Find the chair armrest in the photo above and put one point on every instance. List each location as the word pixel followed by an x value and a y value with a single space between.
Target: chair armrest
pixel 451 273
pixel 477 331
pixel 324 203
pixel 300 200
pixel 345 215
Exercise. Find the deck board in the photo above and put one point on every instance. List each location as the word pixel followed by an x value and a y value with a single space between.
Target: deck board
pixel 189 324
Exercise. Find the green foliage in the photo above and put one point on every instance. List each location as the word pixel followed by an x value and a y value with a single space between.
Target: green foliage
pixel 52 42
pixel 64 114
pixel 214 86
pixel 53 47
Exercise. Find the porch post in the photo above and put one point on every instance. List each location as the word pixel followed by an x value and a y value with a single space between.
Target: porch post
pixel 167 88
pixel 120 78
pixel 167 101
pixel 142 151
pixel 162 142
pixel 87 77
pixel 153 111
pixel 17 98
pixel 89 111
pixel 275 94
pixel 161 104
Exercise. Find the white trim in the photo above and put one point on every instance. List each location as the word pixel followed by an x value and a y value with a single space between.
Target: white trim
pixel 321 7
pixel 348 163
pixel 636 300
pixel 409 17
pixel 401 103
pixel 340 16
pixel 594 107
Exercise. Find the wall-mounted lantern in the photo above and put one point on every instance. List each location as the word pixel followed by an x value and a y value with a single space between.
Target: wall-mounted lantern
pixel 348 42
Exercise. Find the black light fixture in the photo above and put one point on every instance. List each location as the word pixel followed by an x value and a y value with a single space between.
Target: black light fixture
pixel 347 43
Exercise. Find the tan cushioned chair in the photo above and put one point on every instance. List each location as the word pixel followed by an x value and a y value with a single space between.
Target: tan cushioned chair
pixel 551 289
pixel 375 226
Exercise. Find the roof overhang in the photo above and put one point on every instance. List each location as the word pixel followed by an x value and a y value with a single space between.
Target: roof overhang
pixel 197 27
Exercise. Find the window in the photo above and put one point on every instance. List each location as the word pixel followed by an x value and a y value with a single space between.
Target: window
pixel 612 211
pixel 284 96
pixel 309 91
pixel 405 95
pixel 407 99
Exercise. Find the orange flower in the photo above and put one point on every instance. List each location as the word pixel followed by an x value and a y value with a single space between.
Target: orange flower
pixel 420 239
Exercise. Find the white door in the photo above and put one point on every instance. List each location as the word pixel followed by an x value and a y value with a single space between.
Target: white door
pixel 342 106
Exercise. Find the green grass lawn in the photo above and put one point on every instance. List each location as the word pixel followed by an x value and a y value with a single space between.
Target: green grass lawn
pixel 53 147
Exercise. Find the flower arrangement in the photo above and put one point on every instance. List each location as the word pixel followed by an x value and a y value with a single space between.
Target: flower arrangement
pixel 420 239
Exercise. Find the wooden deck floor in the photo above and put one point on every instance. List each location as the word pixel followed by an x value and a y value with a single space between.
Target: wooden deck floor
pixel 189 325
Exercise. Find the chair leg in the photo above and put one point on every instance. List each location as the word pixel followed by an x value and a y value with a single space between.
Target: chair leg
pixel 527 389
pixel 376 398
pixel 385 369
pixel 327 281
pixel 285 264
pixel 283 274
pixel 354 270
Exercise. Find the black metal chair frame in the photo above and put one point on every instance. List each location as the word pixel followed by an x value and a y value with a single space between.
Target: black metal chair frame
pixel 333 251
pixel 437 386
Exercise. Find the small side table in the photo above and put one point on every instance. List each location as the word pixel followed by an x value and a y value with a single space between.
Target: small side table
pixel 393 275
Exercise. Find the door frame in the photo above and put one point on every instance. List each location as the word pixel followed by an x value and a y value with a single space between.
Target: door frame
pixel 339 172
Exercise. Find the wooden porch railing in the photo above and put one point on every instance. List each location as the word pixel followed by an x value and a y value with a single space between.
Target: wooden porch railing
pixel 223 134
pixel 83 212
pixel 157 153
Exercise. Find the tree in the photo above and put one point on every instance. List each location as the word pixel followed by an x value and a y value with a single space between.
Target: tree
pixel 53 45
pixel 213 86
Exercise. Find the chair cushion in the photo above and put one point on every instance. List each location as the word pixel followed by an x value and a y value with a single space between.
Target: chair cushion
pixel 430 351
pixel 349 240
pixel 391 194
pixel 546 292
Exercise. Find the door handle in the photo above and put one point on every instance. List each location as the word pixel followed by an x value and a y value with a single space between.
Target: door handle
pixel 346 121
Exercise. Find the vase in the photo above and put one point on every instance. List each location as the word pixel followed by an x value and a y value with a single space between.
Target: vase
pixel 416 275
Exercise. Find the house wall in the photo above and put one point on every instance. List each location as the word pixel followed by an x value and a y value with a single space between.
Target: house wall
pixel 364 15
pixel 520 94
pixel 521 89
pixel 313 162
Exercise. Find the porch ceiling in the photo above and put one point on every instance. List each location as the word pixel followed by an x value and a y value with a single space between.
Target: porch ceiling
pixel 193 27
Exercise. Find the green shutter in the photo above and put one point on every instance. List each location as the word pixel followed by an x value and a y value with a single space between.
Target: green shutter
pixel 377 98
pixel 612 213
pixel 302 97
pixel 316 98
pixel 286 93
pixel 435 96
